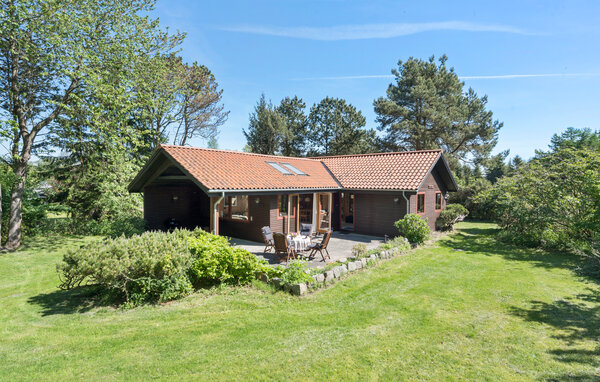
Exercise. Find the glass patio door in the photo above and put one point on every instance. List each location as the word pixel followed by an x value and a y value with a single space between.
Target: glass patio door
pixel 324 212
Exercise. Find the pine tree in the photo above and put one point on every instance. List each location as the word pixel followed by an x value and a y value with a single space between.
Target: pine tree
pixel 266 130
pixel 296 124
pixel 337 128
pixel 427 108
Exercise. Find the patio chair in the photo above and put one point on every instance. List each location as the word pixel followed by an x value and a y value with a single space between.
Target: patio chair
pixel 322 246
pixel 268 238
pixel 282 248
pixel 306 229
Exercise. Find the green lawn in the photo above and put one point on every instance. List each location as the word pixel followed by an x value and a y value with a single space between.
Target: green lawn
pixel 484 312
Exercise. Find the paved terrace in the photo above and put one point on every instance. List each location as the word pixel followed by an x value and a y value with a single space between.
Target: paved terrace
pixel 340 246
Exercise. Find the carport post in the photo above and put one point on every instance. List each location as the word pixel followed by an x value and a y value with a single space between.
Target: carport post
pixel 214 213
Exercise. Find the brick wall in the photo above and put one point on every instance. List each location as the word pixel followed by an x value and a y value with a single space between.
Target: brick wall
pixel 432 184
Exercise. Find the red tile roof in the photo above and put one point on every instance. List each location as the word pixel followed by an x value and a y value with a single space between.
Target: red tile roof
pixel 223 170
pixel 383 171
pixel 233 170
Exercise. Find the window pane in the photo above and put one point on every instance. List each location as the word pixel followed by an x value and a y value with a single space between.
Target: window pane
pixel 420 203
pixel 438 201
pixel 293 169
pixel 283 201
pixel 239 208
pixel 280 168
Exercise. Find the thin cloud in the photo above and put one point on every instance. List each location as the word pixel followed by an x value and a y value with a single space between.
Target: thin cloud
pixel 512 76
pixel 487 77
pixel 371 31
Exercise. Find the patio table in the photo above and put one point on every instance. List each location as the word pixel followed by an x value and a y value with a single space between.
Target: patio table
pixel 299 243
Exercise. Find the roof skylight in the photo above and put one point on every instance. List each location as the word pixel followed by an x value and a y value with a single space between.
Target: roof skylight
pixel 280 168
pixel 293 169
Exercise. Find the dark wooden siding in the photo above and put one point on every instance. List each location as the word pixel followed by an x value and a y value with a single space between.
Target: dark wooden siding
pixel 280 224
pixel 432 184
pixel 249 230
pixel 375 213
pixel 186 203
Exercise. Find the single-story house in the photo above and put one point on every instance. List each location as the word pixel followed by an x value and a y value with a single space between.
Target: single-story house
pixel 236 193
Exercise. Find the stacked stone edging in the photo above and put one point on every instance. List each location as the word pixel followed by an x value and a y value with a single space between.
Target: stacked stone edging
pixel 334 274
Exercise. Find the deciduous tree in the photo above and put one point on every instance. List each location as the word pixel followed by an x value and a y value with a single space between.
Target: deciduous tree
pixel 54 54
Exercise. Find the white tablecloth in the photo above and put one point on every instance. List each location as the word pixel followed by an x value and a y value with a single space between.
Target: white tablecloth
pixel 299 243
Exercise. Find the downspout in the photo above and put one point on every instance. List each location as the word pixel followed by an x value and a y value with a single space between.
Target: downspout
pixel 216 212
pixel 407 203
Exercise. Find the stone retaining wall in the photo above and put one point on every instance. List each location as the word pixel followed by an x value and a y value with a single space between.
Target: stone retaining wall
pixel 336 273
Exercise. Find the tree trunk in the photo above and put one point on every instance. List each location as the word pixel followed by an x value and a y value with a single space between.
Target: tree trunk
pixel 16 203
pixel 0 214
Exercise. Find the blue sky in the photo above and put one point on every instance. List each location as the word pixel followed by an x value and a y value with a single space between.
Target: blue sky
pixel 537 61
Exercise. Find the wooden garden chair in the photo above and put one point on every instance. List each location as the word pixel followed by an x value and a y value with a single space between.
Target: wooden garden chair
pixel 320 247
pixel 268 238
pixel 282 248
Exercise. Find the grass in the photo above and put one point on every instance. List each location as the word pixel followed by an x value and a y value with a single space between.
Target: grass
pixel 462 308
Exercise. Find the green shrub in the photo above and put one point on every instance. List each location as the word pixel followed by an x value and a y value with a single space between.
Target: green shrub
pixel 414 228
pixel 215 261
pixel 152 267
pixel 273 272
pixel 452 214
pixel 359 250
pixel 158 266
pixel 553 202
pixel 115 227
pixel 398 243
pixel 296 272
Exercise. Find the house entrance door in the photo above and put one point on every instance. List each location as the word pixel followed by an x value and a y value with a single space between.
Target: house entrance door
pixel 347 211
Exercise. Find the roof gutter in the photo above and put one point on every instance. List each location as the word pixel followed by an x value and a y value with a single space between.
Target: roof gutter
pixel 407 203
pixel 216 213
pixel 254 191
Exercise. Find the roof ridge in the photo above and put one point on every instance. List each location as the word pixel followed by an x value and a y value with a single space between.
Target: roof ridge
pixel 380 154
pixel 279 157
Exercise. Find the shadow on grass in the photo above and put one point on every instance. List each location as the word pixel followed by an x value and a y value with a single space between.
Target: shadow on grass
pixel 483 241
pixel 77 300
pixel 49 243
pixel 578 319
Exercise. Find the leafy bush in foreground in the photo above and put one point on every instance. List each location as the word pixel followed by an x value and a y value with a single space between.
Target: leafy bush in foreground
pixel 399 243
pixel 215 261
pixel 452 214
pixel 359 250
pixel 296 272
pixel 152 267
pixel 414 228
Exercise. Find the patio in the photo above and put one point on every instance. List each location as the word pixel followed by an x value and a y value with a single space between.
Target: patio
pixel 340 246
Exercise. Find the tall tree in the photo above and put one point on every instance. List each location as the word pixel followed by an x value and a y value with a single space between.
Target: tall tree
pixel 54 51
pixel 178 101
pixel 296 123
pixel 427 108
pixel 336 128
pixel 495 166
pixel 266 129
pixel 576 139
